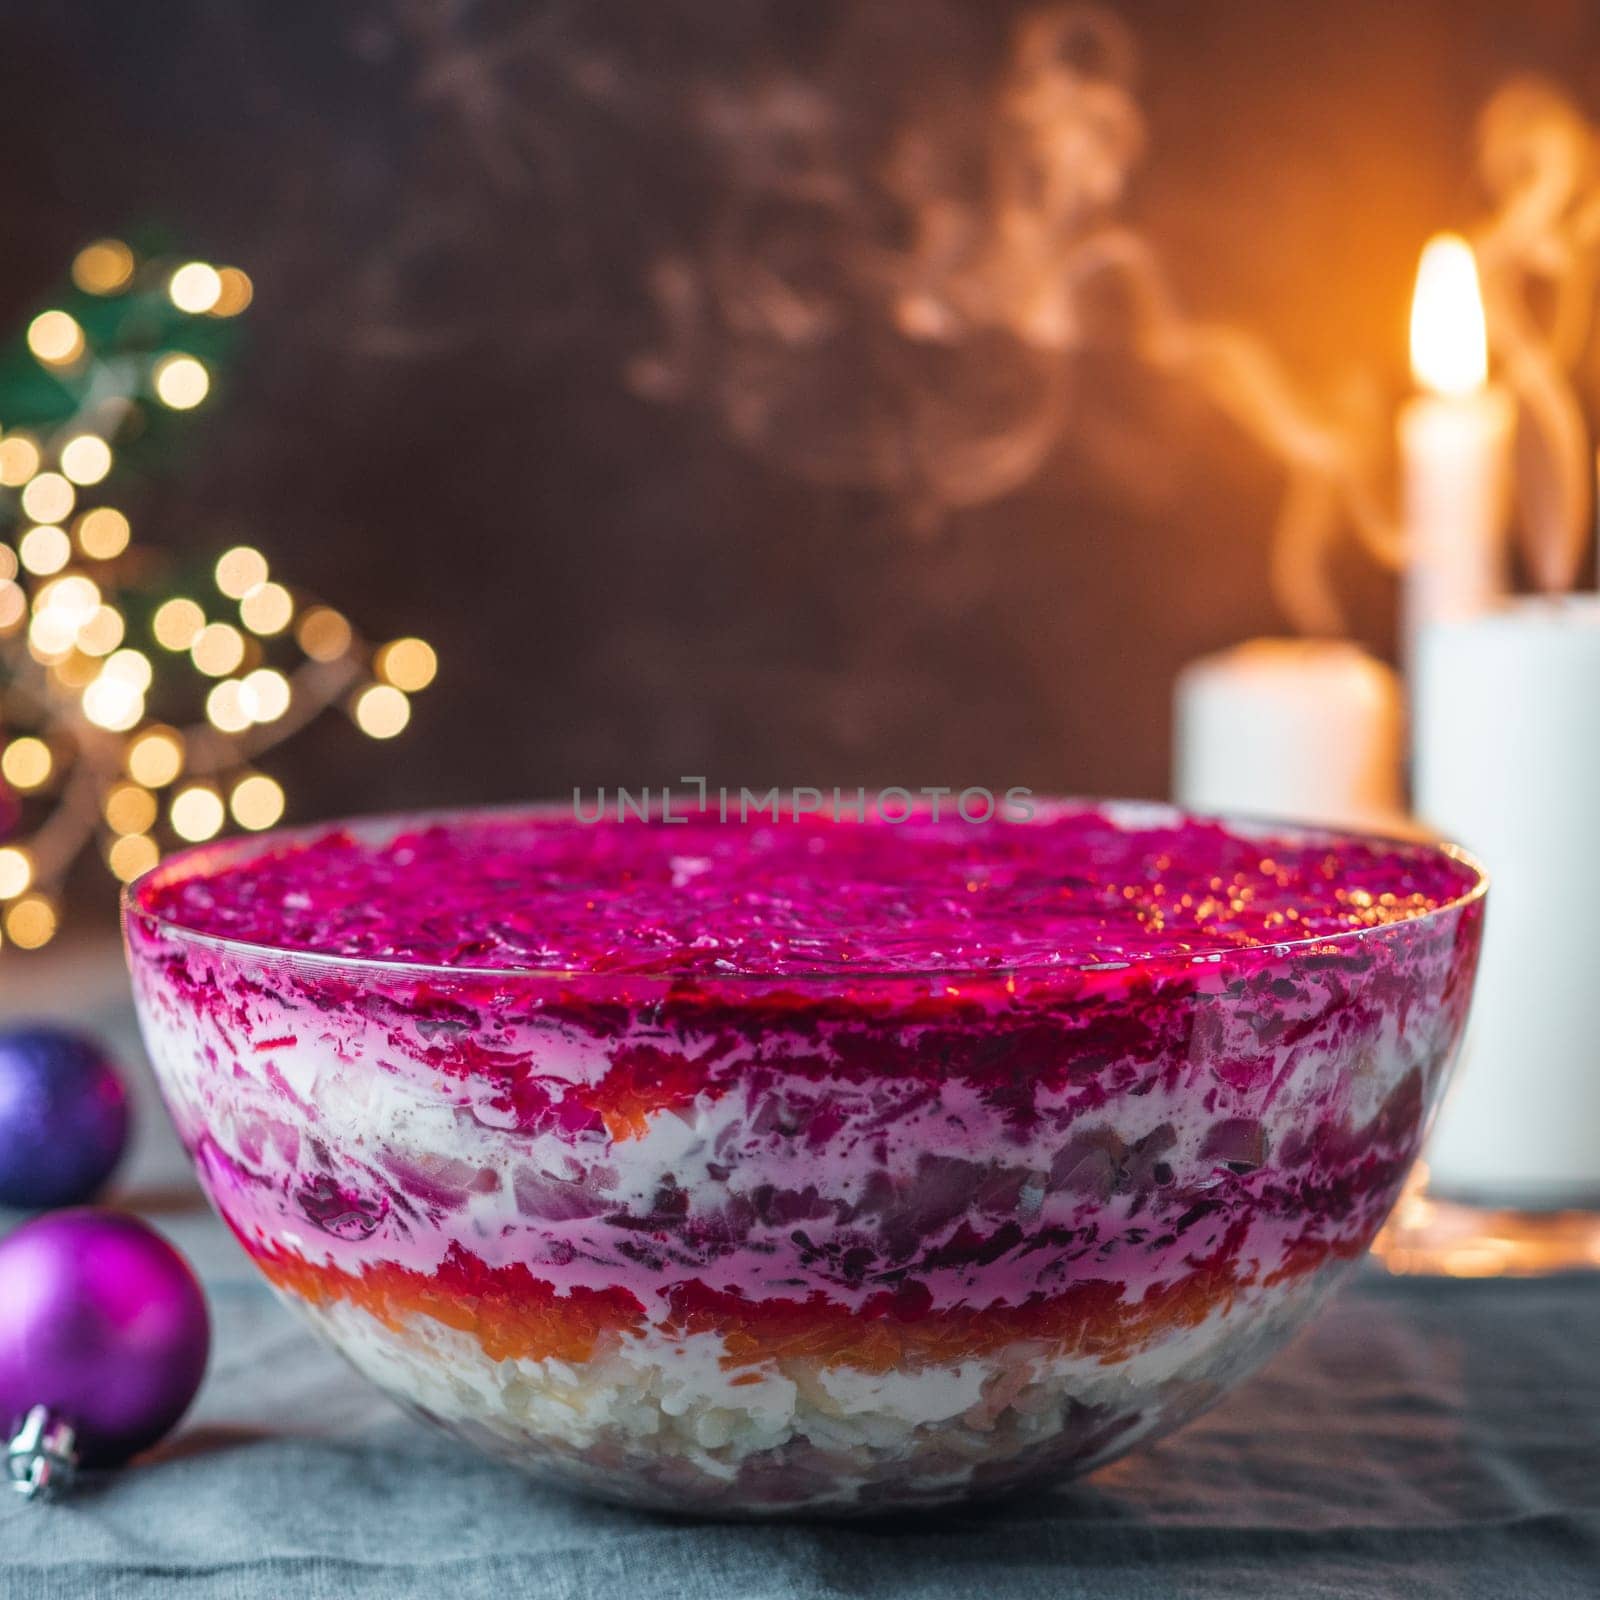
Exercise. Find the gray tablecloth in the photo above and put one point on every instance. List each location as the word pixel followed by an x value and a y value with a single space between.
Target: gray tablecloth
pixel 1423 1439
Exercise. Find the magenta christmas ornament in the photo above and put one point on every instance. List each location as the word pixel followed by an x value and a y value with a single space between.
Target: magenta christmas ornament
pixel 103 1342
pixel 63 1118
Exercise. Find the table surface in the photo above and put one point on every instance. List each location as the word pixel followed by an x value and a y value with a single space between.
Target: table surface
pixel 1424 1438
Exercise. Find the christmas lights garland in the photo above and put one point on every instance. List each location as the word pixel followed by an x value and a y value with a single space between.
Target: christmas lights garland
pixel 98 634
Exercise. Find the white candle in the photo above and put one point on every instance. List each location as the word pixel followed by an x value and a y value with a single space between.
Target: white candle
pixel 1507 719
pixel 1455 447
pixel 1304 729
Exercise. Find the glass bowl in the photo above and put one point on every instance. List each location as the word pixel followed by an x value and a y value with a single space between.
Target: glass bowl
pixel 813 1243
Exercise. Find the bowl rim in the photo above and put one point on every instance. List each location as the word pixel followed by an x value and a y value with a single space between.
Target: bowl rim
pixel 386 823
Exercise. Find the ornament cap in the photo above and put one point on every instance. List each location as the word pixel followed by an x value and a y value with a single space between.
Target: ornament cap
pixel 42 1455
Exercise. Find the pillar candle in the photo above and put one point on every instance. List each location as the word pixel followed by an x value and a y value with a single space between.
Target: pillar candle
pixel 1455 448
pixel 1507 761
pixel 1303 729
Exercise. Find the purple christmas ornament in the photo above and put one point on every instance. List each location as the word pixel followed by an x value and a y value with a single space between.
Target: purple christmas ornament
pixel 103 1342
pixel 63 1118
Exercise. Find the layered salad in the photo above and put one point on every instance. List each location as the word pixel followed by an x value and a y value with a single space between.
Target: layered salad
pixel 819 1164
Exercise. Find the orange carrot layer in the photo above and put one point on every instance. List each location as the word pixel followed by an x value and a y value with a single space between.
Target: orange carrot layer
pixel 514 1315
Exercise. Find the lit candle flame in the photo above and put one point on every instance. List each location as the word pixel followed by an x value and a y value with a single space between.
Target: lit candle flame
pixel 1449 341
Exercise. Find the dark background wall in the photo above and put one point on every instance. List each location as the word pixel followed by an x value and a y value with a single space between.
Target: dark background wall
pixel 451 213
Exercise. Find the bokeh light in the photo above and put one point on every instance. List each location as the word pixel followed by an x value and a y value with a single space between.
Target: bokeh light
pixel 130 666
pixel 26 763
pixel 103 267
pixel 129 808
pixel 235 294
pixel 323 634
pixel 382 711
pixel 256 802
pixel 408 664
pixel 218 649
pixel 76 595
pixel 195 287
pixel 239 570
pixel 31 922
pixel 55 338
pixel 112 703
pixel 155 757
pixel 60 609
pixel 181 382
pixel 16 871
pixel 86 459
pixel 177 623
pixel 48 498
pixel 225 707
pixel 74 670
pixel 132 855
pixel 19 460
pixel 50 636
pixel 265 694
pixel 267 609
pixel 44 550
pixel 103 533
pixel 197 813
pixel 101 632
